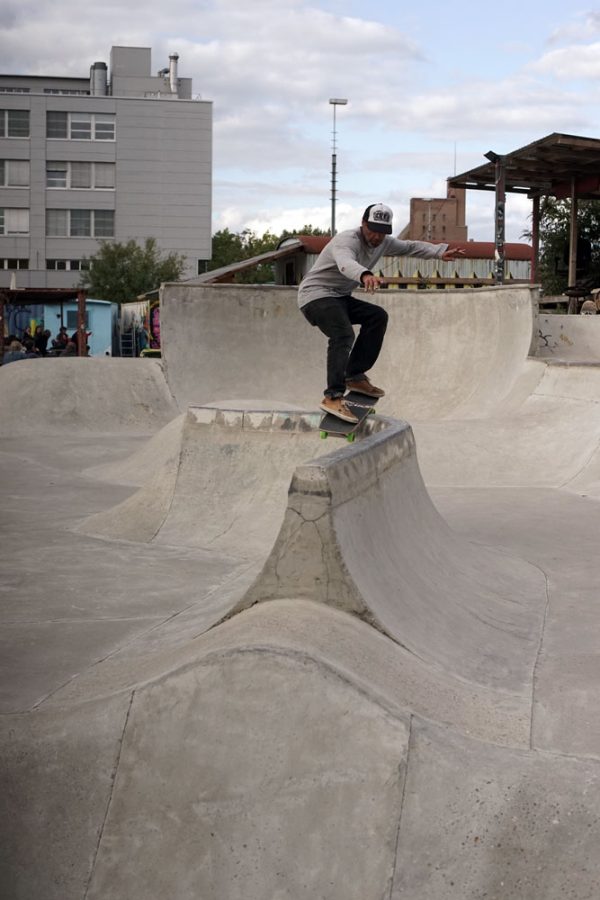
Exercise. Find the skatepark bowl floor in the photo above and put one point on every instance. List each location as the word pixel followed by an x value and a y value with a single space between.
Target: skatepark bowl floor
pixel 240 662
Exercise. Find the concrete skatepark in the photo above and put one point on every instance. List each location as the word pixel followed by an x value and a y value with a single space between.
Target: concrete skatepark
pixel 242 662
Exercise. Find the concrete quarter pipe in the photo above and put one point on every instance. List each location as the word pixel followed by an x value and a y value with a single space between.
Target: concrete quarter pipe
pixel 275 671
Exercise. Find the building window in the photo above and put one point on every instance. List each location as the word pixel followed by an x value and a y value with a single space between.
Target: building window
pixel 68 265
pixel 57 221
pixel 14 263
pixel 14 90
pixel 104 176
pixel 14 173
pixel 81 174
pixel 80 223
pixel 65 91
pixel 104 223
pixel 56 174
pixel 73 319
pixel 14 123
pixel 95 176
pixel 79 126
pixel 14 221
pixel 104 128
pixel 57 124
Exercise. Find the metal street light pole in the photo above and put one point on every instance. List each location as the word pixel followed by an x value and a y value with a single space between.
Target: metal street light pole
pixel 334 101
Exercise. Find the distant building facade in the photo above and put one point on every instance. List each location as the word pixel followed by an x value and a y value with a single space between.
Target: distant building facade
pixel 120 155
pixel 440 220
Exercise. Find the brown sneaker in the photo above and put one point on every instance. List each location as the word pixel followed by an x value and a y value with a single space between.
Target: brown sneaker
pixel 364 386
pixel 338 408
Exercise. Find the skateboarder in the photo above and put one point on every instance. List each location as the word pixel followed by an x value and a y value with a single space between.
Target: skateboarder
pixel 325 299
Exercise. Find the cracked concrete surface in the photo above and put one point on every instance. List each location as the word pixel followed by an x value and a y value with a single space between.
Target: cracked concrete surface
pixel 380 683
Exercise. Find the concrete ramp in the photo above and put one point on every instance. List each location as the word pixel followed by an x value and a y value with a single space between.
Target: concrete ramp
pixel 569 338
pixel 360 533
pixel 549 437
pixel 389 707
pixel 89 394
pixel 215 479
pixel 446 353
pixel 281 761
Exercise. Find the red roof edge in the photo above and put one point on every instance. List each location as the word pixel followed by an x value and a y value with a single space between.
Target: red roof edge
pixel 473 249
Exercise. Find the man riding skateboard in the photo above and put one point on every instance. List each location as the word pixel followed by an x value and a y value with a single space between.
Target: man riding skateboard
pixel 325 299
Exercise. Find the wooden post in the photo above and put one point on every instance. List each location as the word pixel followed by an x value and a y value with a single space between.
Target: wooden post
pixel 2 302
pixel 535 239
pixel 500 217
pixel 572 276
pixel 81 327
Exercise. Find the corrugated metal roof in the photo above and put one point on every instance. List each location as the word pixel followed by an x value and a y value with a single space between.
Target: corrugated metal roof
pixel 473 249
pixel 487 249
pixel 544 167
pixel 312 243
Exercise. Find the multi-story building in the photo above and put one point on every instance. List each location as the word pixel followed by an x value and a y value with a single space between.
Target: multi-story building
pixel 121 154
pixel 440 219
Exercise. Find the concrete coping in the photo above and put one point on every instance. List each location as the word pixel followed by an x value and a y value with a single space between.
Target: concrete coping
pixel 568 363
pixel 256 419
pixel 270 419
pixel 352 469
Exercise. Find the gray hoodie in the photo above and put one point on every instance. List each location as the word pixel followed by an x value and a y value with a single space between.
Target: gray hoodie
pixel 347 256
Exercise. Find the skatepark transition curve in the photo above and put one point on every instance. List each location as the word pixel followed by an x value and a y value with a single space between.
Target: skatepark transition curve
pixel 338 691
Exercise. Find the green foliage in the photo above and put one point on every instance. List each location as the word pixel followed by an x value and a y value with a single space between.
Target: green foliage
pixel 228 248
pixel 120 272
pixel 554 243
pixel 306 229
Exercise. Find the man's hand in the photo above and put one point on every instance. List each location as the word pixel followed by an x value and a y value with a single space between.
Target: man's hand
pixel 370 283
pixel 452 253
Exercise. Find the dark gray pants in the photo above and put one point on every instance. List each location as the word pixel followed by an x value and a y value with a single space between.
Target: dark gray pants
pixel 347 358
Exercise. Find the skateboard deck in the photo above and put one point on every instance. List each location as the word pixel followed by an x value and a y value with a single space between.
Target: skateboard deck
pixel 361 405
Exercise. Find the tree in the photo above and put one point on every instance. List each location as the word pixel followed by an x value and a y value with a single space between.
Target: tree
pixel 306 229
pixel 554 243
pixel 228 248
pixel 121 272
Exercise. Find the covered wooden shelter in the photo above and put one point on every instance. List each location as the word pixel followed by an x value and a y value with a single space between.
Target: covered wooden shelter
pixel 564 166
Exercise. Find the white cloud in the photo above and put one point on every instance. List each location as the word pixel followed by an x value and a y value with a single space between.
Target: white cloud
pixel 584 27
pixel 270 67
pixel 571 63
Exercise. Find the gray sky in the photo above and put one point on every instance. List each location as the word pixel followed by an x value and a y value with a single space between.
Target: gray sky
pixel 430 90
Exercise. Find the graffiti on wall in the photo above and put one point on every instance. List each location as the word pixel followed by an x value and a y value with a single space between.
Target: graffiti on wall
pixel 142 319
pixel 19 317
pixel 154 325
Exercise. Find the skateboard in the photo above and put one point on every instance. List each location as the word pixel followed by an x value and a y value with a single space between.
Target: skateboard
pixel 361 405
